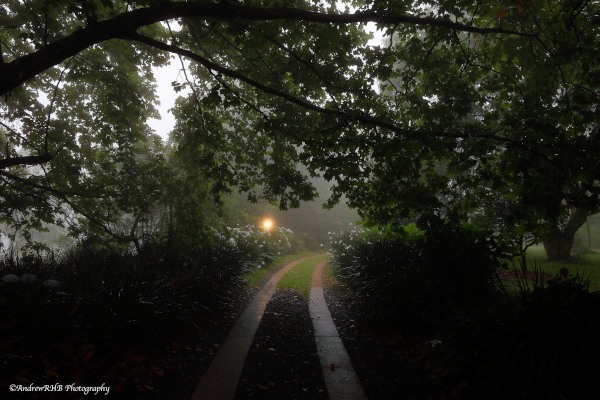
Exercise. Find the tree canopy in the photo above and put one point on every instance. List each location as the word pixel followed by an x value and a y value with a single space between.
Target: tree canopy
pixel 513 120
pixel 484 110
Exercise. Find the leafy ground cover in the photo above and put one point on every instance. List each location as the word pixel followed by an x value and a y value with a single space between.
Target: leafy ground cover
pixel 156 357
pixel 543 344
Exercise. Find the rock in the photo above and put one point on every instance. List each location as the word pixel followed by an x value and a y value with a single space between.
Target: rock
pixel 10 278
pixel 28 278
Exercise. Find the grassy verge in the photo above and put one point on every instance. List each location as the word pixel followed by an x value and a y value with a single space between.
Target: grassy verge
pixel 330 275
pixel 256 276
pixel 300 277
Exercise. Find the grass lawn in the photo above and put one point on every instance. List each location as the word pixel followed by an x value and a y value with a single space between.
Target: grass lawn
pixel 586 265
pixel 300 277
pixel 254 277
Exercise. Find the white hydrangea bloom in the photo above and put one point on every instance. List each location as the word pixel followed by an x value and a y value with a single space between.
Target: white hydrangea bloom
pixel 10 278
pixel 28 278
pixel 51 283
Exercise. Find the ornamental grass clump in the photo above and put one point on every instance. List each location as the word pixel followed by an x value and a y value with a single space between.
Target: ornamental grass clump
pixel 383 273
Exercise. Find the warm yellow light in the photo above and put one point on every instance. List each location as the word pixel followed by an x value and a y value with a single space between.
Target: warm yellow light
pixel 267 224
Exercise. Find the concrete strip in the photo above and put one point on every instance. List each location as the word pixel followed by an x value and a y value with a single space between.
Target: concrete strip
pixel 340 378
pixel 221 379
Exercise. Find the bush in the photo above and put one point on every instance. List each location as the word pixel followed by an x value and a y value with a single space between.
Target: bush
pixel 464 264
pixel 129 315
pixel 114 290
pixel 414 278
pixel 543 344
pixel 254 246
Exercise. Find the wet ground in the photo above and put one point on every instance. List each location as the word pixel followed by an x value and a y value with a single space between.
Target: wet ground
pixel 283 362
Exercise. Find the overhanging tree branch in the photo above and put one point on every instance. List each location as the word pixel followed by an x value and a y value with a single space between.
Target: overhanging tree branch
pixel 22 69
pixel 354 115
pixel 57 192
pixel 232 74
pixel 25 160
pixel 64 196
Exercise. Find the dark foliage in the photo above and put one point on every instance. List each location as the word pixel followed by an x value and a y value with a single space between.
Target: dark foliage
pixel 543 344
pixel 116 316
pixel 415 278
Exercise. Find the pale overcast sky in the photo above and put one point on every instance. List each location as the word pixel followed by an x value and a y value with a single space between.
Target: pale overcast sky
pixel 172 72
pixel 167 96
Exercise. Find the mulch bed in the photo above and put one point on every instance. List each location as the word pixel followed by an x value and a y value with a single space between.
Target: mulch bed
pixel 531 276
pixel 283 362
pixel 389 366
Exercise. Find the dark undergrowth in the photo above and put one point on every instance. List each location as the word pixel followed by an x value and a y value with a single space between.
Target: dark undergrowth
pixel 477 339
pixel 142 323
pixel 413 279
pixel 543 343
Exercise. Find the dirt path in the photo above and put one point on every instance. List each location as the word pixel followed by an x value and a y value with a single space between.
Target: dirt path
pixel 221 379
pixel 277 354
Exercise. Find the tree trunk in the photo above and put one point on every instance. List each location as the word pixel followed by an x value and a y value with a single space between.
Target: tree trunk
pixel 589 236
pixel 558 246
pixel 559 242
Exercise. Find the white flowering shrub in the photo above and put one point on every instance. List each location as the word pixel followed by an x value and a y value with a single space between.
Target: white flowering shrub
pixel 254 247
pixel 10 278
pixel 342 245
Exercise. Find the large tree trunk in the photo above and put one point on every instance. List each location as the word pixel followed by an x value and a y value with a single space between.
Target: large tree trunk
pixel 558 243
pixel 558 246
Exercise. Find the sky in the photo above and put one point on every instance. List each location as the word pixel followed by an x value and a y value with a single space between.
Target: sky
pixel 164 77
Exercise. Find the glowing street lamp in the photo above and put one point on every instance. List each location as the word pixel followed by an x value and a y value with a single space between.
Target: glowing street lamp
pixel 267 224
